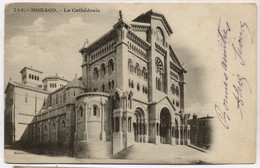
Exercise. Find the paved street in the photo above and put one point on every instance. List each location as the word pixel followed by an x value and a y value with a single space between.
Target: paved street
pixel 137 153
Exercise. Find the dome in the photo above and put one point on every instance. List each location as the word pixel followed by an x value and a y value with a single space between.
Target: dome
pixel 75 83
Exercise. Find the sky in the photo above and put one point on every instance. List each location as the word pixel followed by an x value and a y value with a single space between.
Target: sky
pixel 50 42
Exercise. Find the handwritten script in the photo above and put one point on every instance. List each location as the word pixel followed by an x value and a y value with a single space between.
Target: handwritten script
pixel 241 83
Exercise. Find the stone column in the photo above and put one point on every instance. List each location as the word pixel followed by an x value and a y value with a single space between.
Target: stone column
pixel 103 133
pixel 145 131
pixel 57 129
pixel 34 134
pixel 182 134
pixel 76 126
pixel 120 124
pixel 138 130
pixel 114 126
pixel 178 135
pixel 40 132
pixel 187 140
pixel 173 135
pixel 48 131
pixel 141 130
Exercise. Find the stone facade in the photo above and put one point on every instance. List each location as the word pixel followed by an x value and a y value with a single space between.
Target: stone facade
pixel 201 131
pixel 131 91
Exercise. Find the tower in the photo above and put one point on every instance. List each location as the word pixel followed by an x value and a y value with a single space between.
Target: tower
pixel 31 76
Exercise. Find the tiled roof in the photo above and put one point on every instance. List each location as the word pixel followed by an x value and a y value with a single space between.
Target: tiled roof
pixel 22 85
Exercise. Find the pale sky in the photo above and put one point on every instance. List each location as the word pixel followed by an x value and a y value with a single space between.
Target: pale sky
pixel 50 41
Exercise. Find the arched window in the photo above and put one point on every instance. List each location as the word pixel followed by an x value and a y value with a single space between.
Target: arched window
pixel 54 126
pixel 109 85
pixel 95 73
pixel 177 91
pixel 132 84
pixel 112 84
pixel 117 125
pixel 81 111
pixel 103 87
pixel 138 87
pixel 110 66
pixel 159 36
pixel 177 103
pixel 103 69
pixel 159 65
pixel 45 128
pixel 37 78
pixel 158 83
pixel 173 89
pixel 144 73
pixel 30 76
pixel 130 65
pixel 95 110
pixel 57 99
pixel 63 123
pixel 137 68
pixel 129 83
pixel 44 102
pixel 129 124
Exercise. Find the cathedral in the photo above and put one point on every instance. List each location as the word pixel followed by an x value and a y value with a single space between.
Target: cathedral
pixel 131 91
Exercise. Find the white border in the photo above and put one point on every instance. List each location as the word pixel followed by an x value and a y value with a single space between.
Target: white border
pixel 5 165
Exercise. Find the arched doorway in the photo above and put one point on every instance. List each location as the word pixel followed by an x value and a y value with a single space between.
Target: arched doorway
pixel 165 126
pixel 139 125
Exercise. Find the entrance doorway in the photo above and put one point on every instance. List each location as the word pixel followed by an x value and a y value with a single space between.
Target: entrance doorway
pixel 165 126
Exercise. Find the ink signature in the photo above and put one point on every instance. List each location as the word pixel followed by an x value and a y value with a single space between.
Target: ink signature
pixel 238 49
pixel 223 114
pixel 238 92
pixel 241 82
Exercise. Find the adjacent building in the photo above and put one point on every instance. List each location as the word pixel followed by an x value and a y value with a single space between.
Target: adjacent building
pixel 131 91
pixel 201 131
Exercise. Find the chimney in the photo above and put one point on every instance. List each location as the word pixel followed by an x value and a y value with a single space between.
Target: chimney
pixel 194 117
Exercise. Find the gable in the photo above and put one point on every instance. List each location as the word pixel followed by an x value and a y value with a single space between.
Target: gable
pixel 175 60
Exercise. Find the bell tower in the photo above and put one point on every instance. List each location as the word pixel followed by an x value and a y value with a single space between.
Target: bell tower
pixel 31 76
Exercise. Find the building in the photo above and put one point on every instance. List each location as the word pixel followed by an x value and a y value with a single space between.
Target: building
pixel 201 131
pixel 131 91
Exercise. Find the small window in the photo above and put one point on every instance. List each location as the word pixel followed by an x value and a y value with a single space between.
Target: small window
pixel 63 123
pixel 95 109
pixel 177 90
pixel 138 87
pixel 113 84
pixel 53 126
pixel 81 111
pixel 103 87
pixel 30 76
pixel 37 78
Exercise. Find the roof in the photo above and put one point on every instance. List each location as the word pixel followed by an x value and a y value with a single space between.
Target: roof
pixel 203 118
pixel 24 86
pixel 99 41
pixel 75 83
pixel 175 58
pixel 30 69
pixel 146 18
pixel 55 77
